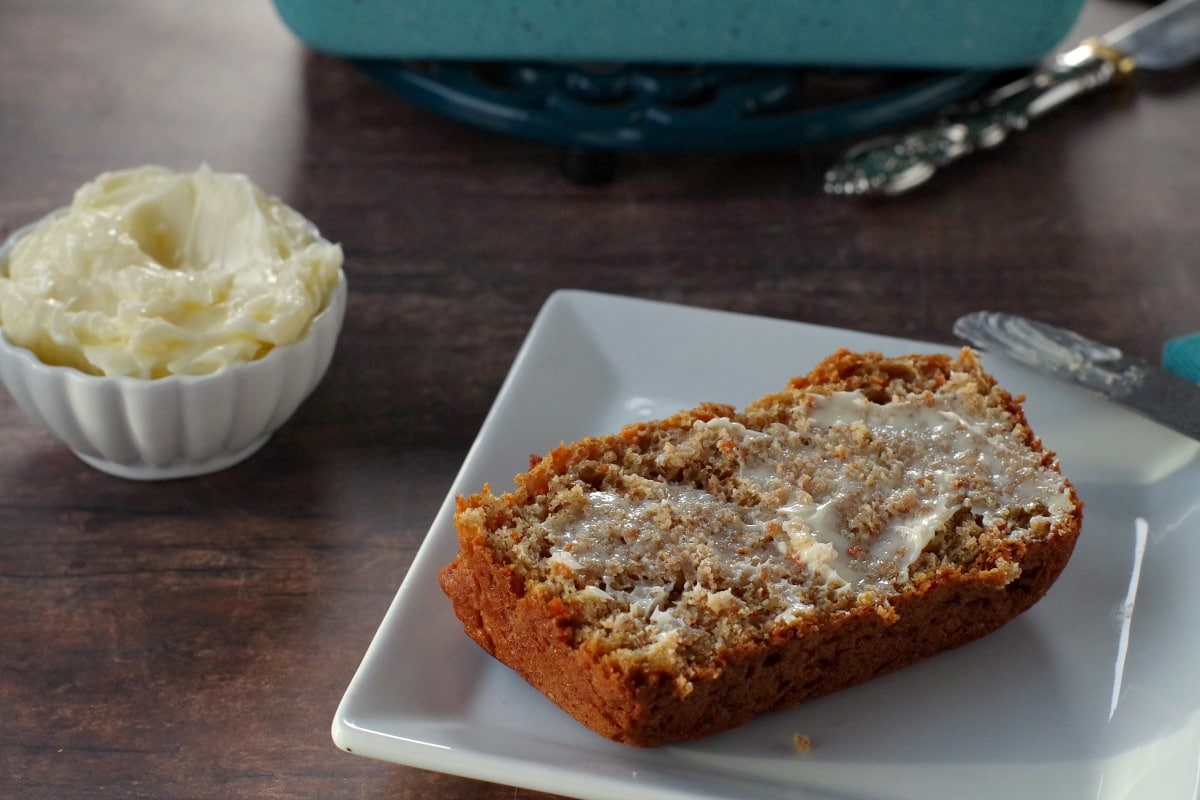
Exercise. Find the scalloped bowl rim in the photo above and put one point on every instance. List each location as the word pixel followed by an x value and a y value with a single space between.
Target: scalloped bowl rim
pixel 30 360
pixel 312 352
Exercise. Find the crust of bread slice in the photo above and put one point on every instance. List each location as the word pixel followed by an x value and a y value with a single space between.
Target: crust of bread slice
pixel 652 698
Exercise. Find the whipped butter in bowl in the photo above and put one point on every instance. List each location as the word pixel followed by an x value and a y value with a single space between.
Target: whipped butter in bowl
pixel 166 324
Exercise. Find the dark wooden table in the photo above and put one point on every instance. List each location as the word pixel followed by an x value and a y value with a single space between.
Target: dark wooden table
pixel 193 638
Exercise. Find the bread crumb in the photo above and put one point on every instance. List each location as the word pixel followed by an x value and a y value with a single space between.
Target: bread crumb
pixel 801 743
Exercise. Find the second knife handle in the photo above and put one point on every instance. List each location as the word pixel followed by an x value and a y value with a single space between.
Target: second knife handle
pixel 893 165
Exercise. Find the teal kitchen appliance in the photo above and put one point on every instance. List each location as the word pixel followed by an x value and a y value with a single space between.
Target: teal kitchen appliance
pixel 606 76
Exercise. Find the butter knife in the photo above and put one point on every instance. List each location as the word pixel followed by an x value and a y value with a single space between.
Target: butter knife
pixel 1131 382
pixel 1166 37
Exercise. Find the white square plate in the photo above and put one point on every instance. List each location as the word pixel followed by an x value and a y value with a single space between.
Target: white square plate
pixel 1094 693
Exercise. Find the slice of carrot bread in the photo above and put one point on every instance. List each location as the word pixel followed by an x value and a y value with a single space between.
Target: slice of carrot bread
pixel 681 576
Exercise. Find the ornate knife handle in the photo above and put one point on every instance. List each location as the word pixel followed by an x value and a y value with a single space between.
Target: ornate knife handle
pixel 892 165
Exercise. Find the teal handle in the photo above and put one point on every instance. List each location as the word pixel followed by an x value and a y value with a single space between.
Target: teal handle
pixel 1182 356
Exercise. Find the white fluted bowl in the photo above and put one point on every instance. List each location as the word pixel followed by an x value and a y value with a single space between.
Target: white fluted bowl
pixel 178 426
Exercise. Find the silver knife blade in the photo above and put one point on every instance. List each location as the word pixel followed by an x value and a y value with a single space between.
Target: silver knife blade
pixel 1166 37
pixel 1132 382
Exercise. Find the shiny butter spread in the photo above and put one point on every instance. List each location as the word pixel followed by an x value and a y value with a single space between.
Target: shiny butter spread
pixel 923 465
pixel 152 273
pixel 846 498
